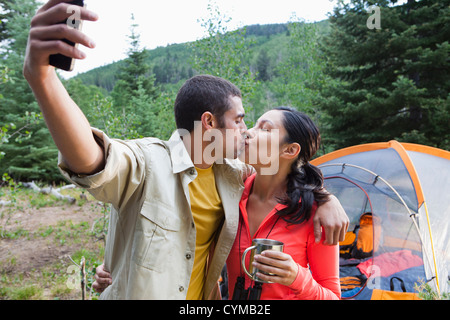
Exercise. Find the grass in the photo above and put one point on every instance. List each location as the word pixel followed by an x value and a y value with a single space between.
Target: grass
pixel 15 234
pixel 49 283
pixel 59 244
pixel 29 292
pixel 425 292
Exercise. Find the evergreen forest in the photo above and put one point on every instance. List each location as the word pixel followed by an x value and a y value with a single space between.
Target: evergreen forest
pixel 362 75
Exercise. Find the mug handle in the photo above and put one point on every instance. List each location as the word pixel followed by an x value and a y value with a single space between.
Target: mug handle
pixel 243 261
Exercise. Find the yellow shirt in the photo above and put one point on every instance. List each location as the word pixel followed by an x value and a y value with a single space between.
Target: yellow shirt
pixel 207 210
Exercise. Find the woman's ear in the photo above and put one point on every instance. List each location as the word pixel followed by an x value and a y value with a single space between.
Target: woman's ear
pixel 291 151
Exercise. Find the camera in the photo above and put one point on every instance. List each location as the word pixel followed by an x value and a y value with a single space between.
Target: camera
pixel 240 293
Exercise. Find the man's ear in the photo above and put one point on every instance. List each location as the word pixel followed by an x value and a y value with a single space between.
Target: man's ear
pixel 291 151
pixel 208 120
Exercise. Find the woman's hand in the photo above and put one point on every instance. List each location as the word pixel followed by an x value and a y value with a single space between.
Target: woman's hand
pixel 280 264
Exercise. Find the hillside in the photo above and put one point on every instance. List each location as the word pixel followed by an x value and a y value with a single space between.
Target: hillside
pixel 172 64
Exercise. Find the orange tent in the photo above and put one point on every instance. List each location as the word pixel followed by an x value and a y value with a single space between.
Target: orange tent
pixel 406 188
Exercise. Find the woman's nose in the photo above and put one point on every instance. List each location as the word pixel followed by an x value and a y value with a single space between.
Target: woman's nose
pixel 250 133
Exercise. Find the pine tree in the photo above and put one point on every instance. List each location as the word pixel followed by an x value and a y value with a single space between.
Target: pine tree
pixel 263 66
pixel 390 82
pixel 135 72
pixel 32 153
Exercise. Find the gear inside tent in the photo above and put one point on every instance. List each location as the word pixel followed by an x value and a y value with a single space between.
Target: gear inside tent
pixel 397 198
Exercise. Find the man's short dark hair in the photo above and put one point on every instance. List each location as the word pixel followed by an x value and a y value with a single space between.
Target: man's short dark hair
pixel 200 94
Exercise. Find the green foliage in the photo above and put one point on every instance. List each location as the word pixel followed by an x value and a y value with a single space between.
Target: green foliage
pixel 134 74
pixel 170 64
pixel 425 292
pixel 263 65
pixel 359 85
pixel 5 75
pixel 21 119
pixel 138 107
pixel 301 74
pixel 390 83
pixel 225 54
pixel 83 94
pixel 29 292
pixel 115 124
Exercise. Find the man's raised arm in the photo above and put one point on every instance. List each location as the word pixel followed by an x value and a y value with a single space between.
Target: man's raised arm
pixel 67 124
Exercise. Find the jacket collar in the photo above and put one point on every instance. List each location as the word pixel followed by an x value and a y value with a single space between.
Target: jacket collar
pixel 181 161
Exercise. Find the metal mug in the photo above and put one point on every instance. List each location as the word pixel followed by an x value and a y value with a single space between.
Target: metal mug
pixel 258 246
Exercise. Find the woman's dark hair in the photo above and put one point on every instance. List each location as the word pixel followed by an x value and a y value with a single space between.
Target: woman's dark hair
pixel 305 181
pixel 200 94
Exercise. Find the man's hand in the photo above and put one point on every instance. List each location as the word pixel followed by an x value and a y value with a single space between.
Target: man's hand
pixel 66 122
pixel 331 217
pixel 46 36
pixel 102 279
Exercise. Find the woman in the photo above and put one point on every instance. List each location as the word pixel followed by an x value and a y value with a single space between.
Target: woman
pixel 280 206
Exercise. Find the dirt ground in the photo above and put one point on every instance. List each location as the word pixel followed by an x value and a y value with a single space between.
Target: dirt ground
pixel 37 243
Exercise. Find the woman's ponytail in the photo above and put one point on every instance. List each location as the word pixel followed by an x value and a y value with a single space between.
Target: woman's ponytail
pixel 305 181
pixel 304 186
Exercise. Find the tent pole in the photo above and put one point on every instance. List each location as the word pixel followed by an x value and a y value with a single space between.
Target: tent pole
pixel 432 248
pixel 411 215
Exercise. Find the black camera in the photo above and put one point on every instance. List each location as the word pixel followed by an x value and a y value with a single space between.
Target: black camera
pixel 252 293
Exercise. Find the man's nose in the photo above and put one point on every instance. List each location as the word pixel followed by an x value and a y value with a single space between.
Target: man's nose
pixel 243 128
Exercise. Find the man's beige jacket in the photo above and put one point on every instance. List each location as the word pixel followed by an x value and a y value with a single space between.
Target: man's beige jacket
pixel 150 244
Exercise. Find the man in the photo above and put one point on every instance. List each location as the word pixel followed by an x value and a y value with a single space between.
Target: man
pixel 174 206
